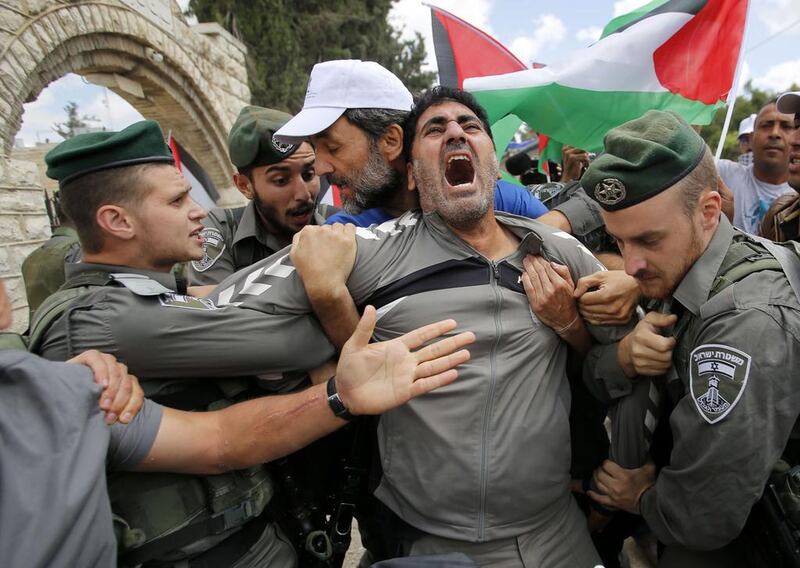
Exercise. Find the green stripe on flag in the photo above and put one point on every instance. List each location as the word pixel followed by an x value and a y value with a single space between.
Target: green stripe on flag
pixel 626 19
pixel 502 132
pixel 581 117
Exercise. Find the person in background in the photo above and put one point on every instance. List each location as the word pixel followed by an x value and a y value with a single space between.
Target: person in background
pixel 756 186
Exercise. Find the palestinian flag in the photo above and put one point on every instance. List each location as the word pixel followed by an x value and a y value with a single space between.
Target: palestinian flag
pixel 677 55
pixel 464 51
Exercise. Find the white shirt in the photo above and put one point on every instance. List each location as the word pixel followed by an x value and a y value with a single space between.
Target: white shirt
pixel 752 196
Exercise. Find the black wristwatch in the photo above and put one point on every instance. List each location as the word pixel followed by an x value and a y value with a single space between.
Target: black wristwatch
pixel 336 404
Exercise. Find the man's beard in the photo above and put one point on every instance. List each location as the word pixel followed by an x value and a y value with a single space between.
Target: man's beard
pixel 461 213
pixel 268 215
pixel 695 250
pixel 373 186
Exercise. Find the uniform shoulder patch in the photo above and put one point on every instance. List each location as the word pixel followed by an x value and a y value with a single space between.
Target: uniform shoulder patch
pixel 717 378
pixel 213 247
pixel 186 302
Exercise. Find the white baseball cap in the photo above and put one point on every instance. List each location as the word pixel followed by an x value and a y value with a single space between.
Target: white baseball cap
pixel 789 103
pixel 747 125
pixel 334 87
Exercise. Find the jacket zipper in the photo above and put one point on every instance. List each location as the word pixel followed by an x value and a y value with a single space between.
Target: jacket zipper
pixel 487 413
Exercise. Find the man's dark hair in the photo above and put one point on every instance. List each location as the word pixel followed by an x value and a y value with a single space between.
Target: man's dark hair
pixel 246 171
pixel 82 197
pixel 435 96
pixel 375 121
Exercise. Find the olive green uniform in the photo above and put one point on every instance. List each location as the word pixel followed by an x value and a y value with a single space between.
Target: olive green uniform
pixel 43 269
pixel 234 239
pixel 736 358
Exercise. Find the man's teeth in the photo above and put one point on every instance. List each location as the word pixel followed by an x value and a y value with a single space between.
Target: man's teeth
pixel 454 158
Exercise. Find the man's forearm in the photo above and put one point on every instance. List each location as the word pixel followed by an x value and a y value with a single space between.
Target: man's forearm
pixel 577 336
pixel 337 313
pixel 239 436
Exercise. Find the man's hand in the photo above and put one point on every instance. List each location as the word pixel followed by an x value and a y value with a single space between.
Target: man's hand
pixel 644 351
pixel 549 288
pixel 374 378
pixel 614 300
pixel 622 487
pixel 122 397
pixel 324 257
pixel 573 162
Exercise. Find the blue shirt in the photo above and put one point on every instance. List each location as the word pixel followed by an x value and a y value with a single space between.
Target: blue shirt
pixel 508 197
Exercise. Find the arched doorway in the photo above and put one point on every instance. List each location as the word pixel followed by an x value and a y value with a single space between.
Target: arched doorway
pixel 192 79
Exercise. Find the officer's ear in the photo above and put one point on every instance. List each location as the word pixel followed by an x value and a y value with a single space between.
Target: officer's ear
pixel 710 207
pixel 116 222
pixel 390 144
pixel 242 183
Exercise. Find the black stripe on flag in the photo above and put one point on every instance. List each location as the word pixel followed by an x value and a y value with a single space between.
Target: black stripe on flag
pixel 692 7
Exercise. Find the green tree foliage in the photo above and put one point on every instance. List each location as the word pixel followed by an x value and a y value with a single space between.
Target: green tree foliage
pixel 285 38
pixel 74 123
pixel 751 102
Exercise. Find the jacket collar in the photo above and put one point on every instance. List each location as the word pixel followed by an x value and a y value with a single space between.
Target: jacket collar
pixel 166 279
pixel 694 288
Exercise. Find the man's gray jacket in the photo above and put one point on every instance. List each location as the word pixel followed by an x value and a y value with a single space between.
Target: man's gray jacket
pixel 488 456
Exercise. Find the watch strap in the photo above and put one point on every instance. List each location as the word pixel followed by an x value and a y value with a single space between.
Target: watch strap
pixel 336 404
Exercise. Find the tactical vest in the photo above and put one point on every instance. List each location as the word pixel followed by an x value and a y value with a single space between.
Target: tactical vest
pixel 168 517
pixel 43 269
pixel 746 255
pixel 771 536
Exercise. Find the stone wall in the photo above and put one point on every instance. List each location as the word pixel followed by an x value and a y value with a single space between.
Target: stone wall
pixel 192 79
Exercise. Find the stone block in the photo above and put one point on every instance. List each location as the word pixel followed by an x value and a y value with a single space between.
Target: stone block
pixel 11 19
pixel 77 17
pixel 37 6
pixel 11 229
pixel 19 174
pixel 22 201
pixel 23 56
pixel 36 227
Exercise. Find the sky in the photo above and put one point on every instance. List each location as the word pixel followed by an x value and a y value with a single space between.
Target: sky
pixel 535 30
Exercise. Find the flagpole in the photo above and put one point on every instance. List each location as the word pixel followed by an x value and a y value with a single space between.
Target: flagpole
pixel 734 92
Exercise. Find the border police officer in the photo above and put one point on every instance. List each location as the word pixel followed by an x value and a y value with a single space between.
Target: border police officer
pixel 732 387
pixel 282 186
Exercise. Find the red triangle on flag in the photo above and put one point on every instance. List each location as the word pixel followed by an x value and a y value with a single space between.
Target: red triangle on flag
pixel 464 51
pixel 699 61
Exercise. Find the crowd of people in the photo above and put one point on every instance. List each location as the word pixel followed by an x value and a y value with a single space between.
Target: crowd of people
pixel 477 378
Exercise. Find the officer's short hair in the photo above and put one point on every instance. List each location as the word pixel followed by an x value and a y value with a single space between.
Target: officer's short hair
pixel 82 197
pixel 435 96
pixel 702 178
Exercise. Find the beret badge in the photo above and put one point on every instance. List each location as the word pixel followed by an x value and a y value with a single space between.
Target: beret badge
pixel 610 191
pixel 281 147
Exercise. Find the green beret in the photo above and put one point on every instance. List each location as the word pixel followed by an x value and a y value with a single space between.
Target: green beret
pixel 642 158
pixel 250 143
pixel 140 143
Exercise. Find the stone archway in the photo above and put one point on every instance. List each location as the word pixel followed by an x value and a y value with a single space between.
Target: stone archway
pixel 192 79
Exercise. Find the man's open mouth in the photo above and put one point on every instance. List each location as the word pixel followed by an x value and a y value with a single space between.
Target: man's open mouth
pixel 459 170
pixel 300 211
